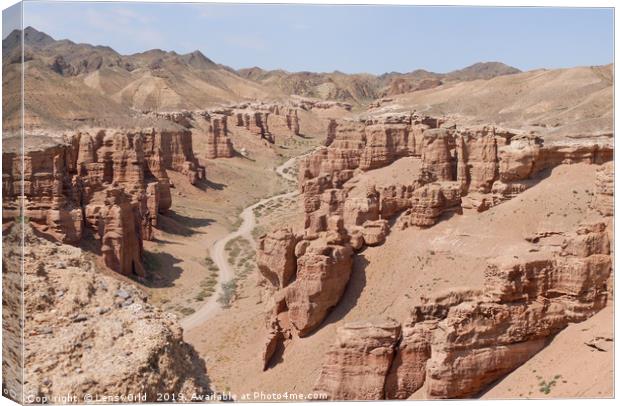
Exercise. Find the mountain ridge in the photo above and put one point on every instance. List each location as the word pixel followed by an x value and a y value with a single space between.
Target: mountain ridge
pixel 73 59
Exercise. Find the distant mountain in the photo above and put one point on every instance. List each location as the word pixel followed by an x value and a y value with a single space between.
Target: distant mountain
pixel 482 70
pixel 70 82
pixel 362 88
pixel 67 82
pixel 356 88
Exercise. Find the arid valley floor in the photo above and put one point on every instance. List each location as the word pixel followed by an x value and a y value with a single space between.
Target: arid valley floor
pixel 192 228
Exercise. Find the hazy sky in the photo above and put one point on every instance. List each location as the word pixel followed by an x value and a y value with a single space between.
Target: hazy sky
pixel 373 39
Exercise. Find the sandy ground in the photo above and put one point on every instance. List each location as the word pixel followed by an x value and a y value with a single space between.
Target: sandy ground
pixel 203 214
pixel 218 251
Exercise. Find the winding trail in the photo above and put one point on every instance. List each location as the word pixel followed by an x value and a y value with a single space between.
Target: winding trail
pixel 218 250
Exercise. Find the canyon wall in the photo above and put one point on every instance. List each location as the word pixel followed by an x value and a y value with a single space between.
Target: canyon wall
pixel 458 342
pixel 105 185
pixel 305 276
pixel 264 120
pixel 461 168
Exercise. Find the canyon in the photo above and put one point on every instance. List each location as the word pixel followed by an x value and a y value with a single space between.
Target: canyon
pixel 392 237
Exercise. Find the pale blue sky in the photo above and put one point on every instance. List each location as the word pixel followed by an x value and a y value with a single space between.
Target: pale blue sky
pixel 373 39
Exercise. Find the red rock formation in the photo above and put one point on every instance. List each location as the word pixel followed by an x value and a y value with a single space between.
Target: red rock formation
pixel 276 256
pixel 460 341
pixel 437 159
pixel 357 210
pixel 176 152
pixel 323 271
pixel 110 184
pixel 118 230
pixel 408 371
pixel 477 166
pixel 356 365
pixel 374 232
pixel 430 201
pixel 395 199
pixel 183 118
pixel 517 160
pixel 387 139
pixel 218 143
pixel 308 104
pixel 310 275
pixel 331 132
pixel 470 168
pixel 604 189
pixel 475 338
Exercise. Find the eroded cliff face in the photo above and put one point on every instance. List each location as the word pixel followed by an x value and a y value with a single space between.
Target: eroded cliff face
pixel 105 185
pixel 356 365
pixel 82 327
pixel 460 341
pixel 264 120
pixel 306 277
pixel 460 168
pixel 604 190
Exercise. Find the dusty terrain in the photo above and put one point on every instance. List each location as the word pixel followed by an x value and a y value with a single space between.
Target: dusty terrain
pixel 358 237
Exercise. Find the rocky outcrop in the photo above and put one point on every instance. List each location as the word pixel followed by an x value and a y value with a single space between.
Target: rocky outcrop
pixel 437 159
pixel 477 158
pixel 267 119
pixel 461 168
pixel 306 103
pixel 604 190
pixel 106 184
pixel 176 151
pixel 82 327
pixel 307 276
pixel 430 202
pixel 276 256
pixel 323 271
pixel 477 337
pixel 183 118
pixel 462 340
pixel 218 143
pixel 387 139
pixel 113 223
pixel 356 365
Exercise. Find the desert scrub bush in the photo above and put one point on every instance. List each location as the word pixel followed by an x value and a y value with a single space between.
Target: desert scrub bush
pixel 258 231
pixel 229 290
pixel 211 267
pixel 201 296
pixel 544 386
pixel 207 285
pixel 186 311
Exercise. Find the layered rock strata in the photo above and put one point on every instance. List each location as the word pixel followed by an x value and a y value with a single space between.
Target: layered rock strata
pixel 604 190
pixel 307 277
pixel 461 168
pixel 458 342
pixel 106 184
pixel 266 120
pixel 218 143
pixel 356 365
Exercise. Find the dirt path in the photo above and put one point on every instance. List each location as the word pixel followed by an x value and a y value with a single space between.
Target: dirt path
pixel 218 249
